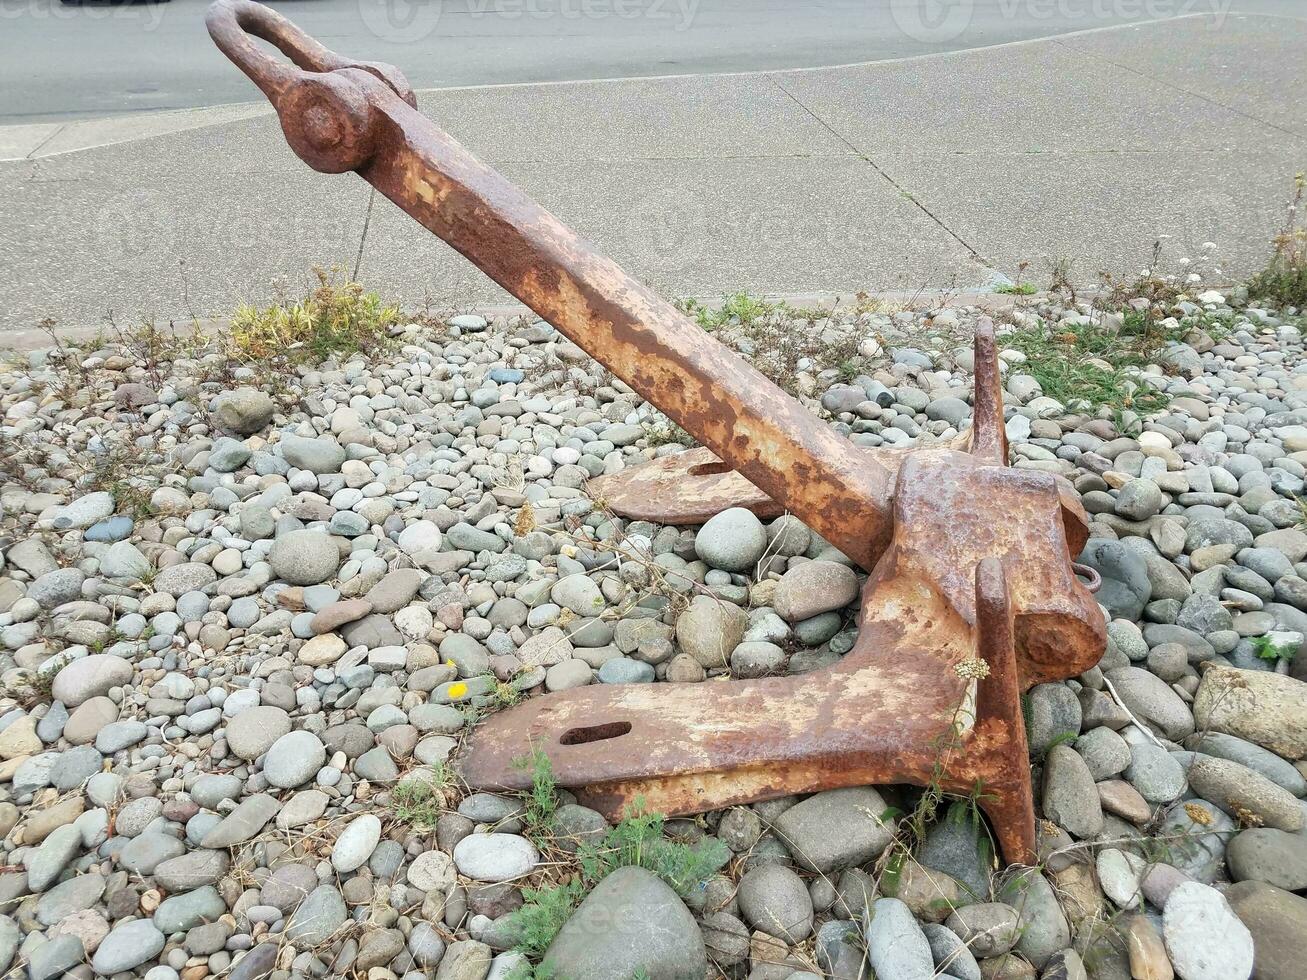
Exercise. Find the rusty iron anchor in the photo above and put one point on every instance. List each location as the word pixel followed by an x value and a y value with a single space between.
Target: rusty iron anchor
pixel 971 597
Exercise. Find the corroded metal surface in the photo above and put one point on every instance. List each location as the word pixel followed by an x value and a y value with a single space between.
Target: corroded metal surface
pixel 969 560
pixel 684 488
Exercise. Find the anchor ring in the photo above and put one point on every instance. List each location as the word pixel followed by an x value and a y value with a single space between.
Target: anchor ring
pixel 1095 581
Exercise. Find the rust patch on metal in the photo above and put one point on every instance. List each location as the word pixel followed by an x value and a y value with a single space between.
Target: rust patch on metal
pixel 686 488
pixel 971 595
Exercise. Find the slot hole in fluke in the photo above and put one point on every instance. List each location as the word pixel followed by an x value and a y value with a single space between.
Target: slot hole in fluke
pixel 595 733
pixel 710 469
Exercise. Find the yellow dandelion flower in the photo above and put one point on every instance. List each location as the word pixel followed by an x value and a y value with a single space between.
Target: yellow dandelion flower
pixel 458 690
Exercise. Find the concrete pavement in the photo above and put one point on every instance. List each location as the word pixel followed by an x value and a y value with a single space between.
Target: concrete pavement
pixel 60 62
pixel 940 171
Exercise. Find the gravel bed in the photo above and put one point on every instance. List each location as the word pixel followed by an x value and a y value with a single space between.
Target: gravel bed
pixel 246 621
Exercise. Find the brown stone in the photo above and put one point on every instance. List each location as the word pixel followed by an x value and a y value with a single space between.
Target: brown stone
pixel 1119 797
pixel 1006 967
pixel 1246 793
pixel 1258 705
pixel 88 925
pixel 43 823
pixel 494 900
pixel 1082 899
pixel 451 614
pixel 321 651
pixel 1148 959
pixel 19 739
pixel 1210 556
pixel 1277 920
pixel 292 598
pixel 88 718
pixel 931 895
pixel 767 949
pixel 337 614
pixel 684 669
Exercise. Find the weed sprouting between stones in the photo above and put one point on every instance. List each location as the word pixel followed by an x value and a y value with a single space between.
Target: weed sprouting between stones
pixel 1086 364
pixel 419 803
pixel 542 801
pixel 1284 280
pixel 338 317
pixel 636 841
pixel 779 340
pixel 1270 647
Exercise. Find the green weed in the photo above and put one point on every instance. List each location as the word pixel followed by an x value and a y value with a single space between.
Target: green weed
pixel 637 841
pixel 1267 649
pixel 419 803
pixel 667 433
pixel 1284 280
pixel 766 333
pixel 1061 738
pixel 543 913
pixel 337 318
pixel 1087 364
pixel 33 687
pixel 1016 289
pixel 542 802
pixel 736 308
pixel 505 695
pixel 131 500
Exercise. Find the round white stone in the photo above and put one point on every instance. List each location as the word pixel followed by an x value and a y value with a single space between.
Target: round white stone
pixel 495 857
pixel 432 871
pixel 294 759
pixel 356 843
pixel 420 536
pixel 1203 936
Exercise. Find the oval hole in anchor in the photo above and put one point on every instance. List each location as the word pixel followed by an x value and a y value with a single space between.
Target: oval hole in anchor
pixel 595 733
pixel 710 469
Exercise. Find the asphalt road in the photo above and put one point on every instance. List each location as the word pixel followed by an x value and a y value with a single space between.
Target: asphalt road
pixel 60 62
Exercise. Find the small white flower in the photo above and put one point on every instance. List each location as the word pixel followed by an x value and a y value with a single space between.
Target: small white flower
pixel 1193 277
pixel 1184 261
